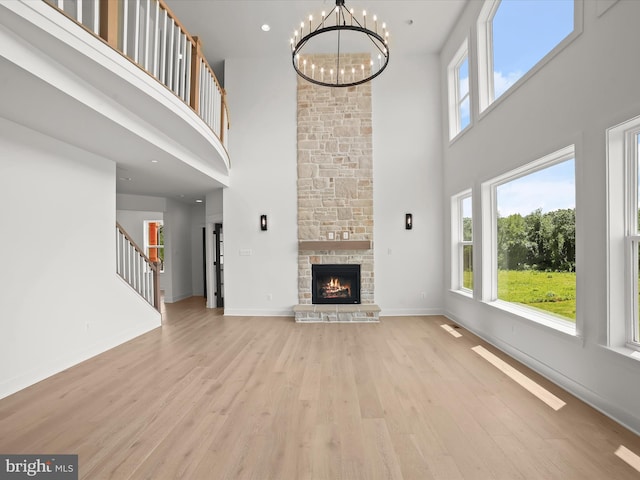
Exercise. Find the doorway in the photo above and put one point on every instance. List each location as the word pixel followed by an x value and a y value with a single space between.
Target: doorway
pixel 218 264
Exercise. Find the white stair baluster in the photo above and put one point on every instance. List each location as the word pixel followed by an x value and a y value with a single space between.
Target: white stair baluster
pixel 163 50
pixel 125 26
pixel 156 30
pixel 136 32
pixel 170 52
pixel 147 19
pixel 96 16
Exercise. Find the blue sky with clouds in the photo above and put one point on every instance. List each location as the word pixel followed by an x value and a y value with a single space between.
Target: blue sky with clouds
pixel 524 31
pixel 550 189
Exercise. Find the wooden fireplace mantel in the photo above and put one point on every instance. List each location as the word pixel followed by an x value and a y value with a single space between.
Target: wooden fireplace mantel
pixel 335 245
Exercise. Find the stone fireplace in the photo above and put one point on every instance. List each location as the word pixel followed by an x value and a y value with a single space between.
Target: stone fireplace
pixel 335 193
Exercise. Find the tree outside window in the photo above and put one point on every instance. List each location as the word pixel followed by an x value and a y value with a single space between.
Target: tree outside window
pixel 536 240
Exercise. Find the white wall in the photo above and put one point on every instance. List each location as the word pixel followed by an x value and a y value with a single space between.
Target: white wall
pixel 177 221
pixel 126 201
pixel 213 207
pixel 407 178
pixel 263 146
pixel 62 301
pixel 588 87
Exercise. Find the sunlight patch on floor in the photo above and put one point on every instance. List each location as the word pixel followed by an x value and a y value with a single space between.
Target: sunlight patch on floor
pixel 521 379
pixel 451 330
pixel 629 457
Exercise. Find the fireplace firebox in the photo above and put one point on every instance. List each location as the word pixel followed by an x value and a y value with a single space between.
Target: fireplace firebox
pixel 335 284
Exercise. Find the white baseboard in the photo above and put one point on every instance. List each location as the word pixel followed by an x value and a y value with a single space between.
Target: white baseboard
pixel 410 312
pixel 246 312
pixel 177 298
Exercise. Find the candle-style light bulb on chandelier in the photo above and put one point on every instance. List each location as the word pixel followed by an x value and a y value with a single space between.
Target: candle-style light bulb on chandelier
pixel 340 32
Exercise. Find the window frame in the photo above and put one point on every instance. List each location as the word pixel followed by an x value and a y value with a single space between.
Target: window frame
pixel 484 29
pixel 489 253
pixel 458 242
pixel 455 102
pixel 623 236
pixel 146 241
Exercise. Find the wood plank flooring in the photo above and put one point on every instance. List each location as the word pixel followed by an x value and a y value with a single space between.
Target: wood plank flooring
pixel 214 397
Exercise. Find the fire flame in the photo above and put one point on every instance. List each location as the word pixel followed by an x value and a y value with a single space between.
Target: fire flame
pixel 333 288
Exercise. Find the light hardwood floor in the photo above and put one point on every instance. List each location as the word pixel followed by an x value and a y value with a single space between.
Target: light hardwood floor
pixel 214 397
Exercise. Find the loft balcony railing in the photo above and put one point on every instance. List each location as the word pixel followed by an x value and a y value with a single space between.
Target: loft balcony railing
pixel 150 35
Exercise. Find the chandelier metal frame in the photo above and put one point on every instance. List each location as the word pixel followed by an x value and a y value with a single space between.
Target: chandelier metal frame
pixel 341 13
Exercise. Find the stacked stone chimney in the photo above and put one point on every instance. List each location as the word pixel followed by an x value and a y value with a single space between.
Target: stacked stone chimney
pixel 335 187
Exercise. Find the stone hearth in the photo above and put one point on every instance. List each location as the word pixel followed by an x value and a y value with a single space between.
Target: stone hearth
pixel 336 313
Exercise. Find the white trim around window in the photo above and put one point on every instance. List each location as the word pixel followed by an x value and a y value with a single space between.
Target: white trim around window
pixel 458 242
pixel 623 236
pixel 489 249
pixel 456 100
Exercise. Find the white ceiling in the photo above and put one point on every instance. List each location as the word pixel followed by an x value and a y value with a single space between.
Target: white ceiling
pixel 231 28
pixel 228 29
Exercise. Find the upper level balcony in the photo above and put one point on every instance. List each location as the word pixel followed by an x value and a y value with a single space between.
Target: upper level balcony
pixel 120 78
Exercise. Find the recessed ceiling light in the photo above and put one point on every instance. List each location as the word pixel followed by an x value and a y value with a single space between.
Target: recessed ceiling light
pixel 265 28
pixel 126 179
pixel 198 201
pixel 154 161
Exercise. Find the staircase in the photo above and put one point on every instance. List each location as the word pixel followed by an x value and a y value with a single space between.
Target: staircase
pixel 136 269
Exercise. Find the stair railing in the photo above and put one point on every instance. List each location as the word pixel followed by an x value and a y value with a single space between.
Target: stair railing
pixel 136 269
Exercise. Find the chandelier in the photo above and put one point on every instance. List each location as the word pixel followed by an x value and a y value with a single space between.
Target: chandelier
pixel 340 39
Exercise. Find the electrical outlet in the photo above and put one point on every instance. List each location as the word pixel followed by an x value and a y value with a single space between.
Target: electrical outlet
pixel 423 295
pixel 345 235
pixel 269 296
pixel 330 236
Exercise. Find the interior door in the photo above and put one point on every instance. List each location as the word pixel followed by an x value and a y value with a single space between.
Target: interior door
pixel 219 264
pixel 204 260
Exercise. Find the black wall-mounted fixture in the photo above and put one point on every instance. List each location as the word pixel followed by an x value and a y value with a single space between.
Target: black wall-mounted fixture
pixel 408 221
pixel 263 223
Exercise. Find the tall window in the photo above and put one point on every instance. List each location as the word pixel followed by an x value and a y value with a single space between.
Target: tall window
pixel 459 100
pixel 623 155
pixel 533 238
pixel 462 234
pixel 513 36
pixel 634 221
pixel 154 241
